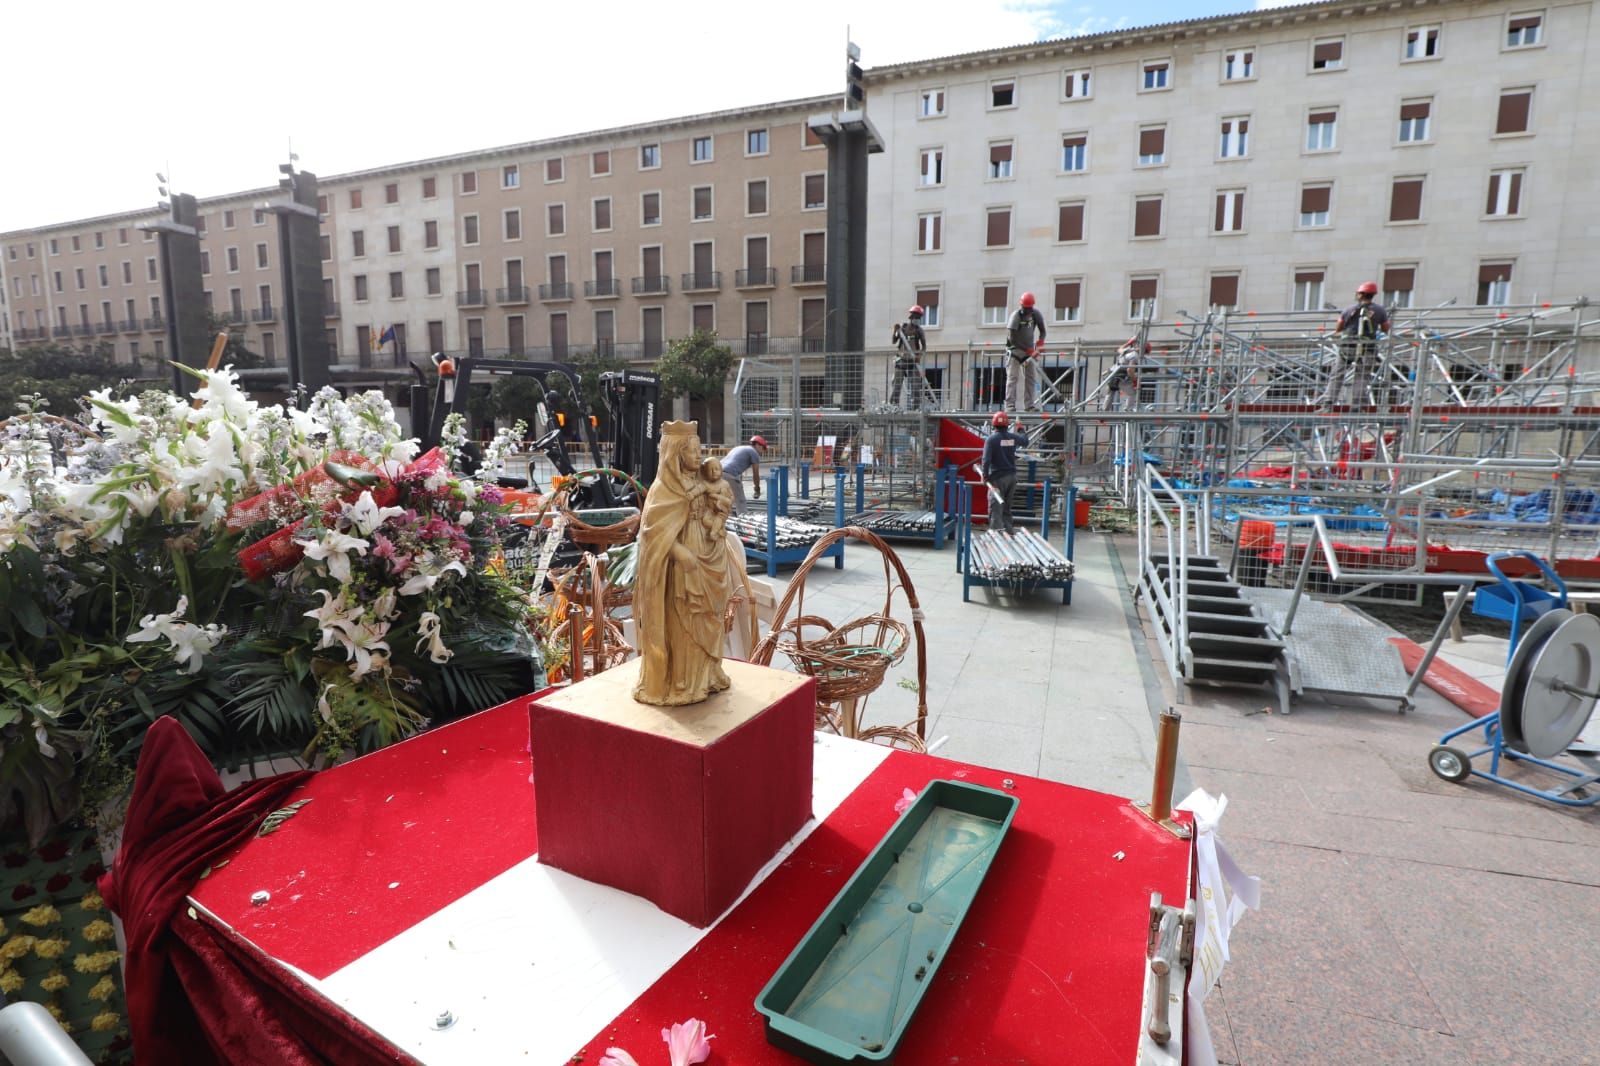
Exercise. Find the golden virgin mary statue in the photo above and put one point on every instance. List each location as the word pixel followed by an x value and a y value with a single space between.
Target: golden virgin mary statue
pixel 681 587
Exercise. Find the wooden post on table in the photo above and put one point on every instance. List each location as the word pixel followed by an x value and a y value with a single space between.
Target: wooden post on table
pixel 1159 809
pixel 217 348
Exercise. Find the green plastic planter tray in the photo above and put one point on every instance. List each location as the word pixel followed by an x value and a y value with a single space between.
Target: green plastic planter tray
pixel 848 991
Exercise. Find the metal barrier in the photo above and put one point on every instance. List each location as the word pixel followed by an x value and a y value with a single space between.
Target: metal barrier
pixel 1160 503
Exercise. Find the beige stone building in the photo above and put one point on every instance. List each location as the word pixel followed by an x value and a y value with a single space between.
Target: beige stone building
pixel 1447 149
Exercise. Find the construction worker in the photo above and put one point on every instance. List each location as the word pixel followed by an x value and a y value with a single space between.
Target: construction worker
pixel 999 470
pixel 736 462
pixel 909 343
pixel 1122 387
pixel 1024 343
pixel 1357 333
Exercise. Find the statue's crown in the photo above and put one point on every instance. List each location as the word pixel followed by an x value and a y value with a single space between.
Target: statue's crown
pixel 686 429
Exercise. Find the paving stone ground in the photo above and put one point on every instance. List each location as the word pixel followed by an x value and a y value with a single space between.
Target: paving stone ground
pixel 1404 919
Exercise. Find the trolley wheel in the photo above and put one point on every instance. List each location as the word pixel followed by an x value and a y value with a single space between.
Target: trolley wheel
pixel 1452 764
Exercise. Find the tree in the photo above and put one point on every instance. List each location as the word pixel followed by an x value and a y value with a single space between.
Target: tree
pixel 697 367
pixel 60 373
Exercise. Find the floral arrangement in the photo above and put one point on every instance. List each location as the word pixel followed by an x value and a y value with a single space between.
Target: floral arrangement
pixel 280 579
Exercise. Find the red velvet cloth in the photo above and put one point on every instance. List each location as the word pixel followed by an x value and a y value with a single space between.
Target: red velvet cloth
pixel 179 820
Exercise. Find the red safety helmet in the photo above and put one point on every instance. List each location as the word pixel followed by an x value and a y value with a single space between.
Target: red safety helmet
pixel 1027 299
pixel 759 441
pixel 1369 288
pixel 1000 420
pixel 914 311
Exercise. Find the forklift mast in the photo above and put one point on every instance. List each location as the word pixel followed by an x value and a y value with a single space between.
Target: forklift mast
pixel 631 399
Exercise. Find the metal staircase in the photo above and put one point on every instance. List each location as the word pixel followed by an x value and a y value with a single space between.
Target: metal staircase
pixel 1209 629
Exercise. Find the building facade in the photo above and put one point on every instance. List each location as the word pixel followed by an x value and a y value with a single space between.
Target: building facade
pixel 1449 150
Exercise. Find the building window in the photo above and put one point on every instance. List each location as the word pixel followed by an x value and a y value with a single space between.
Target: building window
pixel 469 182
pixel 328 297
pixel 261 256
pixel 1322 130
pixel 599 163
pixel 650 209
pixel 554 169
pixel 469 231
pixel 1077 84
pixel 814 192
pixel 755 142
pixel 1525 30
pixel 932 172
pixel 397 285
pixel 1308 289
pixel 127 270
pixel 1238 64
pixel 928 300
pixel 1156 75
pixel 1327 53
pixel 393 234
pixel 1422 42
pixel 1398 284
pixel 99 239
pixel 1235 141
pixel 105 275
pixel 555 219
pixel 1068 300
pixel 1224 295
pixel 435 336
pixel 809 138
pixel 361 288
pixel 1142 293
pixel 1405 200
pixel 430 234
pixel 1414 116
pixel 391 193
pixel 1505 192
pixel 1152 146
pixel 430 188
pixel 602 214
pixel 1069 221
pixel 1315 201
pixel 997 228
pixel 433 281
pixel 227 216
pixel 78 278
pixel 510 176
pixel 701 203
pixel 1515 106
pixel 930 231
pixel 701 150
pixel 649 156
pixel 931 103
pixel 326 241
pixel 755 196
pixel 1074 153
pixel 999 160
pixel 1494 284
pixel 122 235
pixel 205 262
pixel 150 266
pixel 1147 216
pixel 233 260
pixel 996 299
pixel 1003 93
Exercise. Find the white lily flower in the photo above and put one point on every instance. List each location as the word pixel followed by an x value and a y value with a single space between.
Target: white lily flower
pixel 333 549
pixel 365 647
pixel 190 643
pixel 221 398
pixel 366 516
pixel 43 740
pixel 422 582
pixel 466 519
pixel 428 626
pixel 142 498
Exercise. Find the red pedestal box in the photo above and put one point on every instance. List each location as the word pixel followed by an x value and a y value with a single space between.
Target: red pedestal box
pixel 680 805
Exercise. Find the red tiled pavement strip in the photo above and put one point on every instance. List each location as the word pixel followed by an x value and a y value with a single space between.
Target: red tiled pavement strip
pixel 1453 683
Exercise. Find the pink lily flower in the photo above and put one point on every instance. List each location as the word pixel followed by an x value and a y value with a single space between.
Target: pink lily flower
pixel 615 1056
pixel 907 798
pixel 688 1042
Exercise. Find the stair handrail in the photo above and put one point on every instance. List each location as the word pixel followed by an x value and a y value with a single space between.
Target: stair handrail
pixel 1172 598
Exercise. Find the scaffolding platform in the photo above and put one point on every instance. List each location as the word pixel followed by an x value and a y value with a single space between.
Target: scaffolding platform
pixel 1333 650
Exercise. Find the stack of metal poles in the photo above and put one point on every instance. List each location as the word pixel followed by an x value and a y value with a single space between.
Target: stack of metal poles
pixel 1019 556
pixel 751 529
pixel 895 521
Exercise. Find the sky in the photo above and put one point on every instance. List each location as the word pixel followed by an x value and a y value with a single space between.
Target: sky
pixel 107 93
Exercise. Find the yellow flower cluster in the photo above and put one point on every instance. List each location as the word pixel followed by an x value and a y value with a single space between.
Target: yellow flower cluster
pixel 104 988
pixel 50 949
pixel 10 982
pixel 43 914
pixel 98 930
pixel 55 982
pixel 105 1020
pixel 99 962
pixel 92 902
pixel 16 947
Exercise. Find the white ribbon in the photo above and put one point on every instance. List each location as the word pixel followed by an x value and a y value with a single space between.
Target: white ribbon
pixel 1226 892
